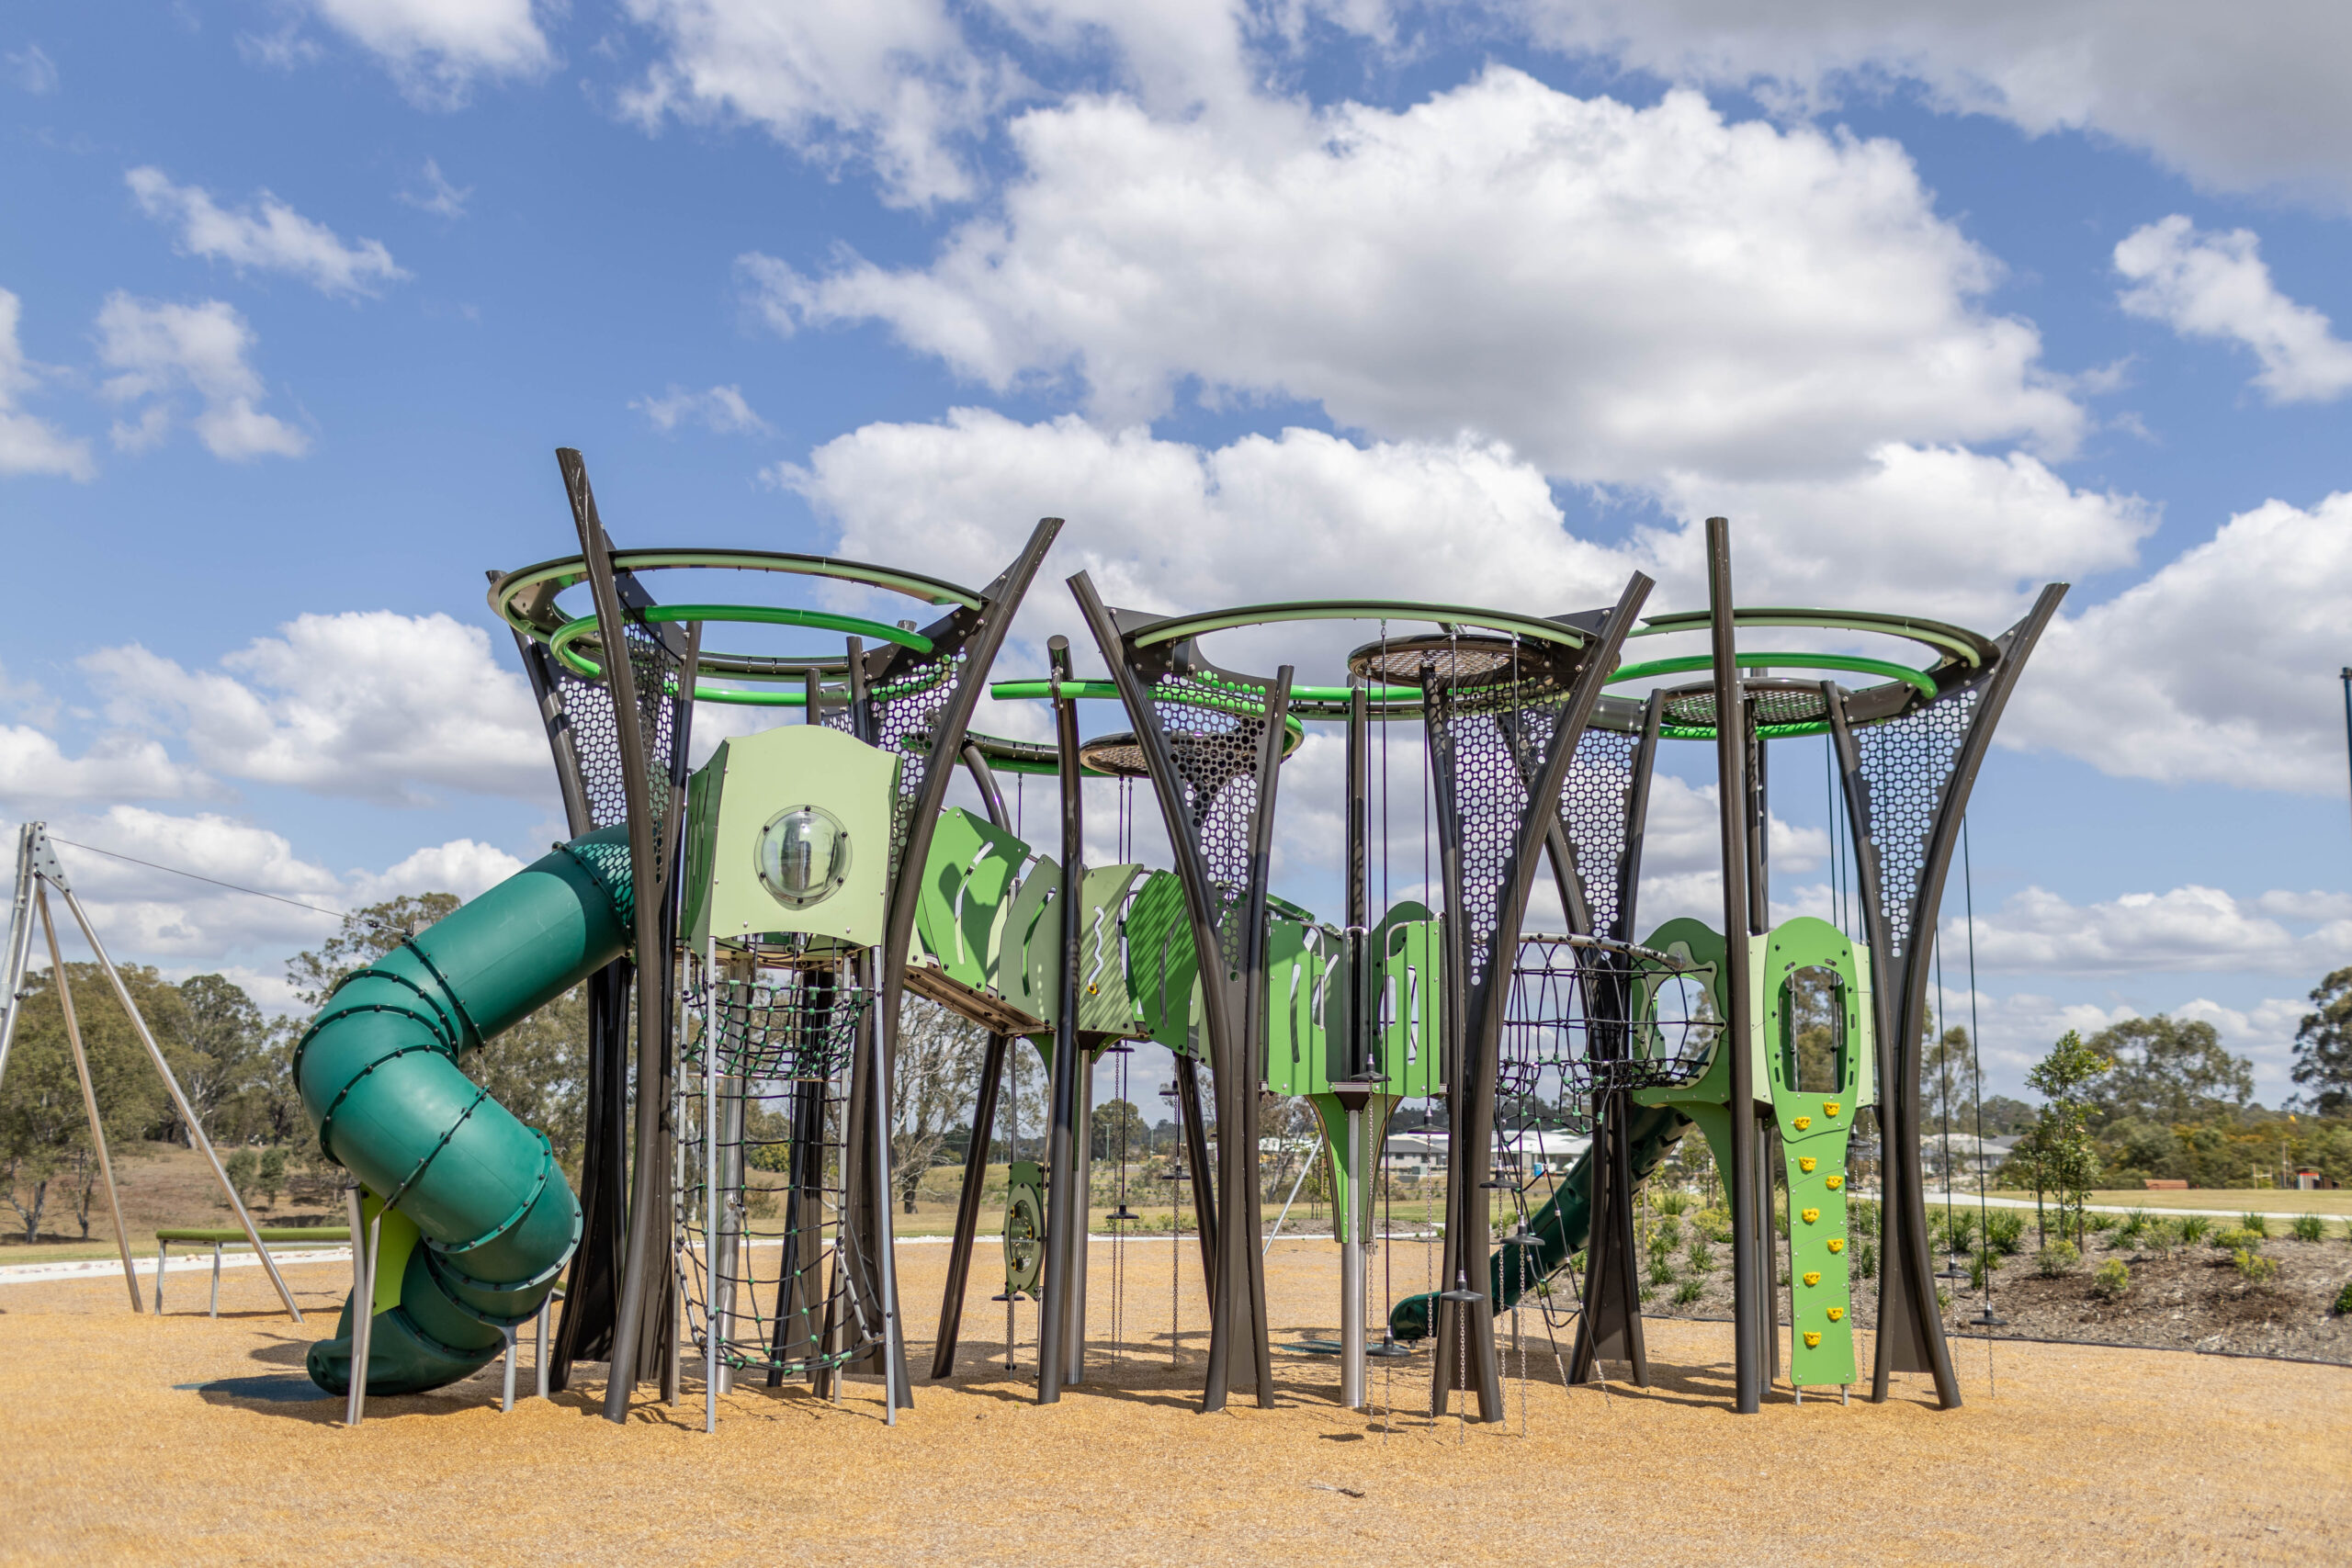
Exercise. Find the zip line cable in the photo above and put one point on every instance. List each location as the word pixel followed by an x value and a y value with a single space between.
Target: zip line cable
pixel 234 887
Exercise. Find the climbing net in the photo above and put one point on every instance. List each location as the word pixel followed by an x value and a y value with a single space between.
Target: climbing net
pixel 1587 1015
pixel 769 1276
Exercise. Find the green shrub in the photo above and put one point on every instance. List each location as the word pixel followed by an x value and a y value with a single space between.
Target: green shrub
pixel 1861 1216
pixel 1686 1292
pixel 2232 1238
pixel 2098 1224
pixel 1866 1261
pixel 2258 1223
pixel 1669 1231
pixel 2258 1270
pixel 2114 1278
pixel 1700 1256
pixel 2163 1235
pixel 2343 1300
pixel 1980 1267
pixel 2310 1227
pixel 2005 1230
pixel 270 1176
pixel 2194 1228
pixel 1672 1203
pixel 242 1167
pixel 2059 1258
pixel 1661 1272
pixel 2134 1227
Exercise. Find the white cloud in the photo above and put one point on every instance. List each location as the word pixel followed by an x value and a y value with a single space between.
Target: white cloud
pixel 372 705
pixel 2189 929
pixel 437 48
pixel 434 193
pixel 721 409
pixel 147 914
pixel 35 771
pixel 2216 286
pixel 268 236
pixel 2232 99
pixel 31 68
pixel 1164 525
pixel 158 350
pixel 2219 667
pixel 2017 1030
pixel 1616 293
pixel 892 80
pixel 29 445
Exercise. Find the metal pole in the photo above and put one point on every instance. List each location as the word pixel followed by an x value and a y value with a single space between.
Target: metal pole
pixel 710 1210
pixel 1353 1193
pixel 2346 677
pixel 541 1365
pixel 187 1112
pixel 90 1104
pixel 1061 1161
pixel 894 1353
pixel 20 939
pixel 1352 1276
pixel 1749 1290
pixel 1074 1338
pixel 354 1397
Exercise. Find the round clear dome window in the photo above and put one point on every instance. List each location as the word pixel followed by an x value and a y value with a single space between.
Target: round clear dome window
pixel 803 856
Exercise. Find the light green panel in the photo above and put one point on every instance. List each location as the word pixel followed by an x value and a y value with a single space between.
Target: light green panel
pixel 1815 1126
pixel 1030 965
pixel 746 783
pixel 1304 964
pixel 1104 1004
pixel 1707 1100
pixel 1411 945
pixel 972 871
pixel 1163 981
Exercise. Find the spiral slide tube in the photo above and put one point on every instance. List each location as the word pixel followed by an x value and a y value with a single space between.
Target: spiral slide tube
pixel 493 1219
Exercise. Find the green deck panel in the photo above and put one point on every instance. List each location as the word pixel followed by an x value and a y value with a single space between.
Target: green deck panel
pixel 967 885
pixel 1105 1005
pixel 1163 980
pixel 1029 961
pixel 1410 1056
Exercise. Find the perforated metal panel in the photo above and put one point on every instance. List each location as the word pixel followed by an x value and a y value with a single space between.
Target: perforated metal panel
pixel 1908 764
pixel 1216 727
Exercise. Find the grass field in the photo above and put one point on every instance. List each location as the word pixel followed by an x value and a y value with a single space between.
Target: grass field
pixel 2060 1453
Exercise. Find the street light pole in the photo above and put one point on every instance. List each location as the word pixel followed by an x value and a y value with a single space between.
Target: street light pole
pixel 2346 675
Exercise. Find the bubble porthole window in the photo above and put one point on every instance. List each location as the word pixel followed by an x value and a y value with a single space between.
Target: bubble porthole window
pixel 803 856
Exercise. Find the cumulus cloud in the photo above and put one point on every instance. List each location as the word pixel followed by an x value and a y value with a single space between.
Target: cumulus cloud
pixel 721 409
pixel 267 236
pixel 147 914
pixel 2189 929
pixel 2231 103
pixel 371 705
pixel 2219 667
pixel 1617 292
pixel 29 445
pixel 438 49
pixel 161 351
pixel 2216 286
pixel 35 772
pixel 1162 525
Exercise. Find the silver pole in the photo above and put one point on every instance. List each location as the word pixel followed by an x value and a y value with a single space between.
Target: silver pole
pixel 20 939
pixel 187 1112
pixel 1074 1335
pixel 710 1225
pixel 542 1364
pixel 885 1232
pixel 1352 1279
pixel 506 1394
pixel 90 1104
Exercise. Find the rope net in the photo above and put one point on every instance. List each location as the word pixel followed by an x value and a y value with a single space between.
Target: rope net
pixel 765 1267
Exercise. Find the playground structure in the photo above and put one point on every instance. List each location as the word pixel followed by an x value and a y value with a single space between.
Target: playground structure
pixel 747 931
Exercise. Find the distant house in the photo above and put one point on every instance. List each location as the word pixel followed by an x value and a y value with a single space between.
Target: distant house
pixel 1963 1154
pixel 1423 1153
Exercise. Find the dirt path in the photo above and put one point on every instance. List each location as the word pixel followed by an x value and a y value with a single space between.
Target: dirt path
pixel 2087 1455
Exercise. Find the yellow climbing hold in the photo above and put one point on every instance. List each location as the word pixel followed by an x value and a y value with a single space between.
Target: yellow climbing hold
pixel 1835 1182
pixel 1805 1163
pixel 1802 1122
pixel 1813 1277
pixel 1812 1341
pixel 1829 1108
pixel 1811 1216
pixel 1836 1244
pixel 1836 1314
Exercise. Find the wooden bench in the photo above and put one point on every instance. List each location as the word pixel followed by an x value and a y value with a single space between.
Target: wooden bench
pixel 219 1239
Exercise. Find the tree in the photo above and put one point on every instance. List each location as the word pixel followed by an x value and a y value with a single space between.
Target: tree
pixel 2061 1143
pixel 45 1147
pixel 365 936
pixel 216 1042
pixel 1115 1119
pixel 2004 1116
pixel 2169 1071
pixel 2323 1045
pixel 1947 1081
pixel 932 1087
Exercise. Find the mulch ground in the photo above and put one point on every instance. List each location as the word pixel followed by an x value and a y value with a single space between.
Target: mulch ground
pixel 2081 1454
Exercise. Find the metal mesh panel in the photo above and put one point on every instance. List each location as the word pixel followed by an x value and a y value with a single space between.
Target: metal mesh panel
pixel 764 1262
pixel 1596 804
pixel 1906 763
pixel 906 713
pixel 1215 728
pixel 1487 741
pixel 588 705
pixel 1768 704
pixel 661 691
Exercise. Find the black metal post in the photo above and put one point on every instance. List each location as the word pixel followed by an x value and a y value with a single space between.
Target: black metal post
pixel 1065 1216
pixel 967 1206
pixel 1731 771
pixel 1196 1154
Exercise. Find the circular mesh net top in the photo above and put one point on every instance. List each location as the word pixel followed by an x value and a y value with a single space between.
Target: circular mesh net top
pixel 1461 660
pixel 1118 755
pixel 1769 702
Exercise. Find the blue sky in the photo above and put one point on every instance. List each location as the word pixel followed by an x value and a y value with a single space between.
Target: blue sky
pixel 1302 298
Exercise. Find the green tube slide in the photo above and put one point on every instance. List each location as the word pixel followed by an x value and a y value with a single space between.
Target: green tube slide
pixel 1560 1227
pixel 479 1219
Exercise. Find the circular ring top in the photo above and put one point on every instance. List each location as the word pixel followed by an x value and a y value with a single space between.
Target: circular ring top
pixel 1175 628
pixel 1118 756
pixel 1956 644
